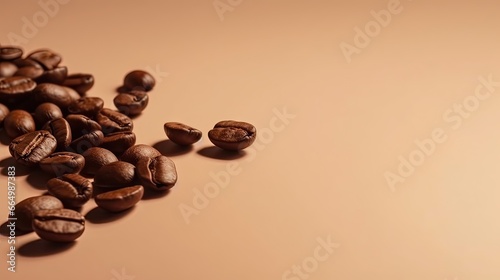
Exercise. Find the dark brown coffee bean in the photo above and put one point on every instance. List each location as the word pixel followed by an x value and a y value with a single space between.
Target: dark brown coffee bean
pixel 232 135
pixel 113 121
pixel 52 93
pixel 72 189
pixel 118 174
pixel 131 103
pixel 29 149
pixel 16 86
pixel 18 122
pixel 88 106
pixel 7 69
pixel 139 80
pixel 135 153
pixel 157 173
pixel 118 142
pixel 23 62
pixel 121 199
pixel 72 93
pixel 32 72
pixel 181 134
pixel 81 124
pixel 86 141
pixel 10 52
pixel 79 82
pixel 62 163
pixel 47 58
pixel 4 111
pixel 61 130
pixel 53 76
pixel 26 208
pixel 62 225
pixel 46 112
pixel 95 158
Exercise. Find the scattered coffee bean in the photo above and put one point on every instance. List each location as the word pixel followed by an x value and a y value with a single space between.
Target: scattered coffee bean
pixel 54 76
pixel 135 153
pixel 32 72
pixel 16 87
pixel 118 174
pixel 157 173
pixel 52 93
pixel 139 80
pixel 62 225
pixel 88 106
pixel 72 189
pixel 181 134
pixel 95 158
pixel 62 163
pixel 118 142
pixel 113 121
pixel 46 112
pixel 23 62
pixel 7 69
pixel 61 130
pixel 86 141
pixel 4 111
pixel 131 103
pixel 47 58
pixel 10 52
pixel 27 207
pixel 121 199
pixel 18 122
pixel 232 135
pixel 29 149
pixel 79 82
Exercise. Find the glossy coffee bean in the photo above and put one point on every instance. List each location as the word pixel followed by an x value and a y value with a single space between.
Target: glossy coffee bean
pixel 53 76
pixel 18 122
pixel 135 153
pixel 157 173
pixel 121 199
pixel 62 163
pixel 118 142
pixel 86 141
pixel 26 208
pixel 62 225
pixel 81 124
pixel 72 189
pixel 52 93
pixel 7 69
pixel 181 134
pixel 10 52
pixel 232 135
pixel 131 103
pixel 16 86
pixel 79 82
pixel 61 130
pixel 139 80
pixel 113 121
pixel 72 93
pixel 95 158
pixel 29 149
pixel 88 106
pixel 32 72
pixel 23 62
pixel 4 111
pixel 47 58
pixel 46 112
pixel 118 174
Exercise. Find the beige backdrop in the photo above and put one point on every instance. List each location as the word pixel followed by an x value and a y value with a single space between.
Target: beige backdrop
pixel 378 148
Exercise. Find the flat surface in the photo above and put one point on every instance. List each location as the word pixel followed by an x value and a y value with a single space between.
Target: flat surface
pixel 337 113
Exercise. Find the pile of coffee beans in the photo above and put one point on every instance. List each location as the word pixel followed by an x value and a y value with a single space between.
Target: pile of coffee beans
pixel 88 150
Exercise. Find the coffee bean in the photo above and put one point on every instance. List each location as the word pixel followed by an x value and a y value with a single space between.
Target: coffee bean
pixel 95 158
pixel 157 173
pixel 23 62
pixel 52 93
pixel 79 82
pixel 118 174
pixel 121 199
pixel 10 52
pixel 53 76
pixel 18 122
pixel 88 106
pixel 62 225
pixel 131 103
pixel 139 80
pixel 232 135
pixel 113 121
pixel 72 189
pixel 29 149
pixel 7 69
pixel 32 72
pixel 81 124
pixel 62 163
pixel 86 141
pixel 61 130
pixel 26 208
pixel 118 142
pixel 46 112
pixel 135 153
pixel 4 111
pixel 181 134
pixel 47 58
pixel 11 87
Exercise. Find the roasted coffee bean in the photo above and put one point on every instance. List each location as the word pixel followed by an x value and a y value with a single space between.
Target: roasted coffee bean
pixel 181 134
pixel 88 106
pixel 26 208
pixel 32 72
pixel 131 103
pixel 29 149
pixel 135 153
pixel 139 80
pixel 95 158
pixel 72 189
pixel 53 76
pixel 46 112
pixel 16 87
pixel 7 69
pixel 47 58
pixel 23 62
pixel 10 52
pixel 86 141
pixel 72 93
pixel 121 199
pixel 118 142
pixel 79 82
pixel 113 121
pixel 81 124
pixel 61 130
pixel 4 111
pixel 232 135
pixel 62 163
pixel 157 173
pixel 18 122
pixel 52 93
pixel 118 174
pixel 62 225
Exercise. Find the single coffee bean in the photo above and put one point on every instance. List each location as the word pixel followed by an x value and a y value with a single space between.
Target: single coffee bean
pixel 81 124
pixel 121 199
pixel 18 122
pixel 118 142
pixel 46 112
pixel 61 130
pixel 95 158
pixel 79 82
pixel 72 189
pixel 88 106
pixel 62 225
pixel 62 163
pixel 11 87
pixel 26 208
pixel 135 153
pixel 118 174
pixel 157 173
pixel 113 121
pixel 4 111
pixel 86 141
pixel 47 58
pixel 72 93
pixel 232 135
pixel 181 134
pixel 139 80
pixel 23 62
pixel 29 149
pixel 32 72
pixel 7 69
pixel 131 103
pixel 52 93
pixel 10 52
pixel 53 76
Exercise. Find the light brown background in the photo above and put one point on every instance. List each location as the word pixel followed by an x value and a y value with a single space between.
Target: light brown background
pixel 324 173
